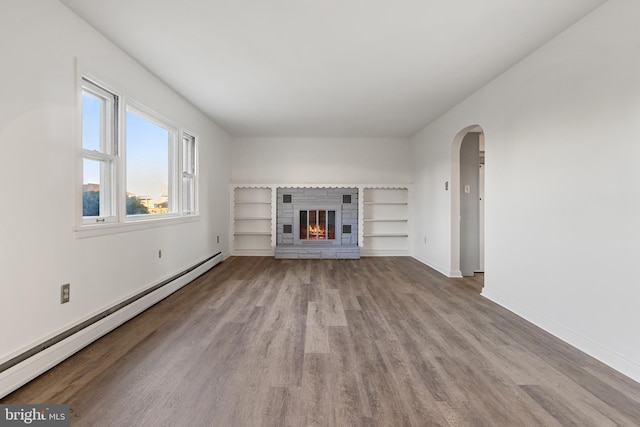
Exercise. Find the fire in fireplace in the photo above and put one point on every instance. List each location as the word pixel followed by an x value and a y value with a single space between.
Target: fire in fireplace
pixel 317 224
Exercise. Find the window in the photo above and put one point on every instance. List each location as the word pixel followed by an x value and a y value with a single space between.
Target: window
pixel 99 151
pixel 188 174
pixel 151 173
pixel 149 157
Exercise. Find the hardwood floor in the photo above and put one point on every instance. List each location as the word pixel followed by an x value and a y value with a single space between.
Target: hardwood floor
pixel 370 342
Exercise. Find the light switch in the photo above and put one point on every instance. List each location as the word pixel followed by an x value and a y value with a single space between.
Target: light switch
pixel 467 189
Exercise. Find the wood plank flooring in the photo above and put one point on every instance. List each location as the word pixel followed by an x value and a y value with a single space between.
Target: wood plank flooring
pixel 372 342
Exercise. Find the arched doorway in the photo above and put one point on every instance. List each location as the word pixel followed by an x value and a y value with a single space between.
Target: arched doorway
pixel 467 202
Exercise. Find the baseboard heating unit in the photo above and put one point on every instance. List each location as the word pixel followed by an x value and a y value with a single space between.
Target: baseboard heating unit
pixel 38 359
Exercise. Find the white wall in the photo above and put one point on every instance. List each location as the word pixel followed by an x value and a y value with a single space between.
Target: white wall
pixel 321 160
pixel 562 185
pixel 38 141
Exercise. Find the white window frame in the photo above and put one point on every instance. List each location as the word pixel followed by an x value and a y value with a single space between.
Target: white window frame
pixel 115 157
pixel 107 154
pixel 189 167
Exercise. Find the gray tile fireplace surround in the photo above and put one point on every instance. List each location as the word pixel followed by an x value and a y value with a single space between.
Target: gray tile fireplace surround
pixel 344 248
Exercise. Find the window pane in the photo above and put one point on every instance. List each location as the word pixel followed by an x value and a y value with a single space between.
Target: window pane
pixel 188 174
pixel 96 198
pixel 92 112
pixel 188 191
pixel 188 154
pixel 147 166
pixel 90 188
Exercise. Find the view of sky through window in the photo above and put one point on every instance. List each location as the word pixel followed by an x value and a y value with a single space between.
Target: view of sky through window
pixel 147 151
pixel 147 158
pixel 91 113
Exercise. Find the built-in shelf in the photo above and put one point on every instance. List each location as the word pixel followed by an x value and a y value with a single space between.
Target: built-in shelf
pixel 386 221
pixel 252 220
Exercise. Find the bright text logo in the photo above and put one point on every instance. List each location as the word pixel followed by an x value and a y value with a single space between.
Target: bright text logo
pixel 34 415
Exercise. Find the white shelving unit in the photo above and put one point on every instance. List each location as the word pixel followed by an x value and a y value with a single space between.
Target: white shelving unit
pixel 384 224
pixel 252 220
pixel 385 221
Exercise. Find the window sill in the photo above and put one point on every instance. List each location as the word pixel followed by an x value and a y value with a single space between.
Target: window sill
pixel 94 230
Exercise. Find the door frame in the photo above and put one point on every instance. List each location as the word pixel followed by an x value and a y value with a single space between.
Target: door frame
pixel 455 197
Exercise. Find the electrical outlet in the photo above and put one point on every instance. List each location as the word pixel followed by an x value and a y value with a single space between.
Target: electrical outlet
pixel 65 293
pixel 218 239
pixel 159 253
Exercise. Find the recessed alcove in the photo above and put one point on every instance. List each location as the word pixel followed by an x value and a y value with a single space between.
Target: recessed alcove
pixel 364 220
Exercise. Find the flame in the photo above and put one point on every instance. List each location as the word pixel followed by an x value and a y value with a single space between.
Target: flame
pixel 316 232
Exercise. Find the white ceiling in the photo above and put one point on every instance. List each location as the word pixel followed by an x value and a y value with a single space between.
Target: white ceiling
pixel 328 68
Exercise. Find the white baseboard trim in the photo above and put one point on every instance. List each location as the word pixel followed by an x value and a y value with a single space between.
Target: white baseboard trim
pixel 383 252
pixel 23 372
pixel 253 252
pixel 607 356
pixel 435 267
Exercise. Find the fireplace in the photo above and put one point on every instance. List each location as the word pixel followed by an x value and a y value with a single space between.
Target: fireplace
pixel 317 223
